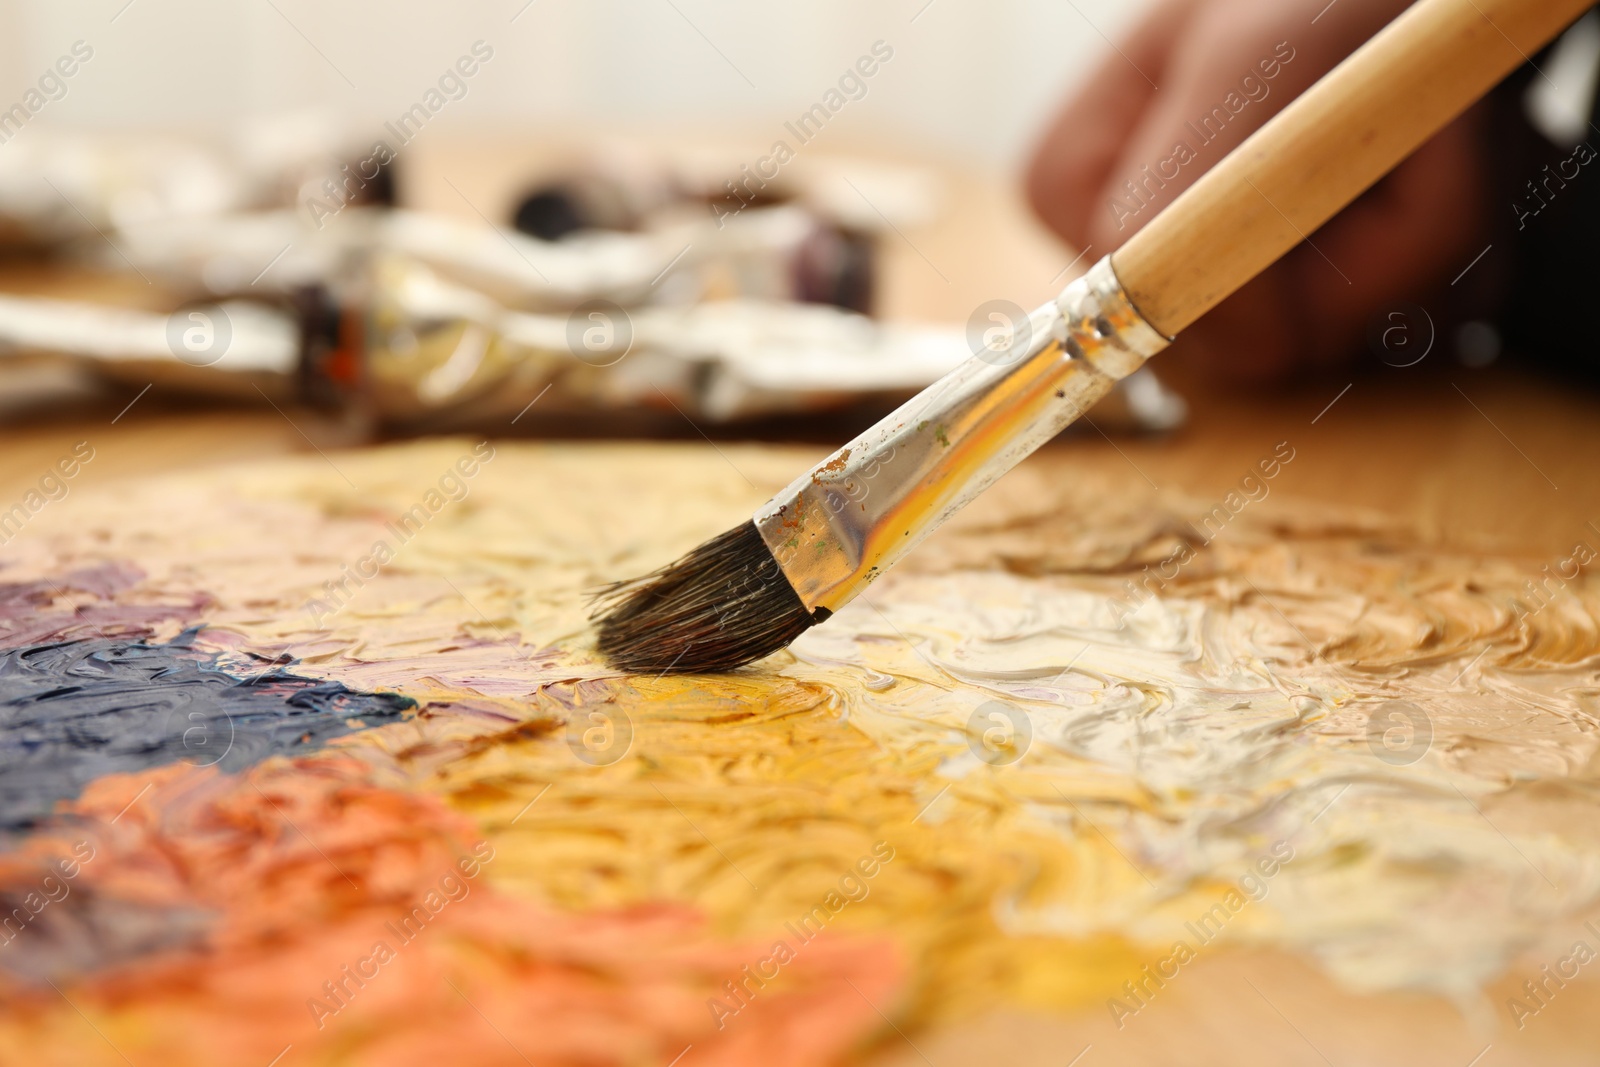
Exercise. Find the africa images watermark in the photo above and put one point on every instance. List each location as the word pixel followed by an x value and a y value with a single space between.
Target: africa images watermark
pixel 852 85
pixel 1251 888
pixel 854 887
pixel 1141 192
pixel 1253 488
pixel 452 487
pixel 1552 184
pixel 1540 594
pixel 340 190
pixel 51 486
pixel 1537 995
pixel 340 991
pixel 53 889
pixel 52 86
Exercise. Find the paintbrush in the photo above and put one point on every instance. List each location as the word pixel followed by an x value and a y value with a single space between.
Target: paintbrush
pixel 837 528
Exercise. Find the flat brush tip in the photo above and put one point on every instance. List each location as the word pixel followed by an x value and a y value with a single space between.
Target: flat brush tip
pixel 724 604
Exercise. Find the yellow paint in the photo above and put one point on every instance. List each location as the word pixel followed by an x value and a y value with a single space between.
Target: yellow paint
pixel 1172 747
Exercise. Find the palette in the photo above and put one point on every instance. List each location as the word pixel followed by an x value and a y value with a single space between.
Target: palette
pixel 389 808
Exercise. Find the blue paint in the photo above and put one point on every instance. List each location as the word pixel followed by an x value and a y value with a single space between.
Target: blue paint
pixel 72 711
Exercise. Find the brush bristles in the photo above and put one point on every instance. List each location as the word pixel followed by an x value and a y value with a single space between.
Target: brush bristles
pixel 721 606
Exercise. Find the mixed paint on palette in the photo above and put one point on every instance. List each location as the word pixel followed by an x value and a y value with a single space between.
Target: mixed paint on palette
pixel 328 770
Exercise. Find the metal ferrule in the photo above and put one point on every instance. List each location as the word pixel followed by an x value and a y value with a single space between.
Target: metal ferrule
pixel 840 526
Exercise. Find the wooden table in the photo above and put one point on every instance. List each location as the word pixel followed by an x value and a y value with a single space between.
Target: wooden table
pixel 1479 458
pixel 1493 456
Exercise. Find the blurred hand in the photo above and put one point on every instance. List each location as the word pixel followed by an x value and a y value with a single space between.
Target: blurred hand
pixel 1417 227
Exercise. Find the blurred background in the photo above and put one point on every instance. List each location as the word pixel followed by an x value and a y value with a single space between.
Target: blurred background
pixel 318 225
pixel 415 219
pixel 968 83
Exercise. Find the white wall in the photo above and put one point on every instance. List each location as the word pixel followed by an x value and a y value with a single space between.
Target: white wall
pixel 970 79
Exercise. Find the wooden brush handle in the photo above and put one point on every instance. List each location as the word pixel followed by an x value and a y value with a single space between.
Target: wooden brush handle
pixel 1326 148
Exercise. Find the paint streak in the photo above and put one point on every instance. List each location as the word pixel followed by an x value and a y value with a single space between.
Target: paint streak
pixel 73 711
pixel 87 600
pixel 1170 729
pixel 307 866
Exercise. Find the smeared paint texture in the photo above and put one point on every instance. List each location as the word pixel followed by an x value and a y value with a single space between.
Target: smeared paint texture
pixel 301 868
pixel 73 711
pixel 653 837
pixel 93 600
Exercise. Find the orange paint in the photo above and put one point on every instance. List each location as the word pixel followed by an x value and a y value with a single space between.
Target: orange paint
pixel 357 925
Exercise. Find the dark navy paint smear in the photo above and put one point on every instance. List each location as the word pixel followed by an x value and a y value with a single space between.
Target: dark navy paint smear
pixel 72 711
